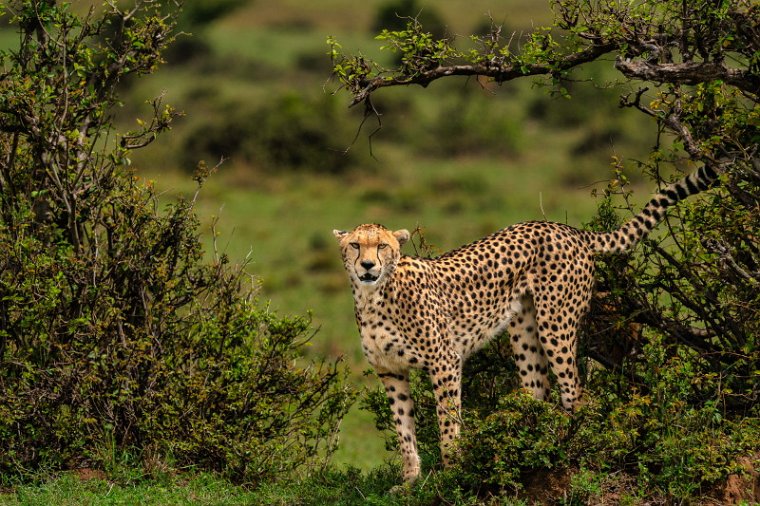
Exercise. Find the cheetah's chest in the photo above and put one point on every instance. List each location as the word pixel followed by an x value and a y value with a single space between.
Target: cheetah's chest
pixel 398 331
pixel 384 345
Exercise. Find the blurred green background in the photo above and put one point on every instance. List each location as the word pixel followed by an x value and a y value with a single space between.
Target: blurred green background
pixel 459 159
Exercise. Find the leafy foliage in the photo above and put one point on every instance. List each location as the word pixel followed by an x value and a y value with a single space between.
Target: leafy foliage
pixel 116 337
pixel 287 133
pixel 196 13
pixel 661 432
pixel 395 14
pixel 698 283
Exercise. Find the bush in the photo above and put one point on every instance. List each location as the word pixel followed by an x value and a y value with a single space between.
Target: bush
pixel 289 133
pixel 117 338
pixel 473 125
pixel 192 20
pixel 396 14
pixel 662 433
pixel 521 435
pixel 198 13
pixel 665 429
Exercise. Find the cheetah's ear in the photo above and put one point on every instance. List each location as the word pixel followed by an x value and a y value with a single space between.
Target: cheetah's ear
pixel 339 234
pixel 401 236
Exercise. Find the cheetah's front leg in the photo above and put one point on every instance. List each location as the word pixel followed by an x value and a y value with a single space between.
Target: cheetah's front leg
pixel 402 407
pixel 447 379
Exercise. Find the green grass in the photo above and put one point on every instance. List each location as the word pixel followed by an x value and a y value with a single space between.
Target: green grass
pixel 283 48
pixel 71 490
pixel 322 487
pixel 333 488
pixel 345 16
pixel 348 487
pixel 8 38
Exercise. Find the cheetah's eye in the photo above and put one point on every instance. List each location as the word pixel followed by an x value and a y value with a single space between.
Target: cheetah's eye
pixel 355 245
pixel 382 245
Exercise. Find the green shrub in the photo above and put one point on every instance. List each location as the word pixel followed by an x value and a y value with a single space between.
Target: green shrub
pixel 471 125
pixel 147 350
pixel 661 432
pixel 394 15
pixel 664 429
pixel 198 13
pixel 289 133
pixel 520 436
pixel 116 337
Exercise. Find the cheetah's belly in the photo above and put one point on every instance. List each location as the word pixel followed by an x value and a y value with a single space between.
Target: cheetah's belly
pixel 474 333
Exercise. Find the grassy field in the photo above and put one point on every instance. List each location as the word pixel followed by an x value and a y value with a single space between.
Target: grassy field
pixel 282 220
pixel 76 489
pixel 349 488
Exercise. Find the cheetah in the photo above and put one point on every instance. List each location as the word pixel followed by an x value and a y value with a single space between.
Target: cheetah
pixel 533 280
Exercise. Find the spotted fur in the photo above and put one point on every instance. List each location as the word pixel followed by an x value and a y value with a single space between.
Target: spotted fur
pixel 533 279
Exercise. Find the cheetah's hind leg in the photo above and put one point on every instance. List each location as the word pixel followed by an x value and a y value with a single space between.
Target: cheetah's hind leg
pixel 529 354
pixel 557 329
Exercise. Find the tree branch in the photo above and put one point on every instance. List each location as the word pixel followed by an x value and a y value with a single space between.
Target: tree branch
pixel 499 72
pixel 688 73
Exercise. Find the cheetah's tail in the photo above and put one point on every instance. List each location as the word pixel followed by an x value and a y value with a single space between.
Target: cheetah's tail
pixel 636 229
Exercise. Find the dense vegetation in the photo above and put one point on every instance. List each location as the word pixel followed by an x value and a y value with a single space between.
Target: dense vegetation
pixel 117 337
pixel 107 288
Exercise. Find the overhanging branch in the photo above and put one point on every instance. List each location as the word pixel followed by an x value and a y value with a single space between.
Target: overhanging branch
pixel 499 72
pixel 688 73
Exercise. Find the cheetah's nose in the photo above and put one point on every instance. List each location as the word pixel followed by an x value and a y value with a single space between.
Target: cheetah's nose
pixel 367 264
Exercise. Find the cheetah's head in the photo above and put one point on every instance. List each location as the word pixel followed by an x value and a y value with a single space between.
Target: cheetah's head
pixel 370 252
